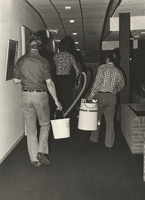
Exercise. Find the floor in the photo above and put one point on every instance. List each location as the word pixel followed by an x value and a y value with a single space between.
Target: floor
pixel 79 170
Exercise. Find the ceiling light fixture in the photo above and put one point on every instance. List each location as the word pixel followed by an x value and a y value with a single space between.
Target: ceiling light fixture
pixel 57 40
pixel 67 7
pixel 136 36
pixel 54 30
pixel 76 42
pixel 71 21
pixel 78 49
pixel 74 33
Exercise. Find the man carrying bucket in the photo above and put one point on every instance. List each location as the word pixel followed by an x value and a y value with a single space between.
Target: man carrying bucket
pixel 33 72
pixel 108 82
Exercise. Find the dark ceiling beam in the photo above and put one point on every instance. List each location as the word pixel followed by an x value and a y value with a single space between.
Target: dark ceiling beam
pixel 82 24
pixel 39 16
pixel 113 4
pixel 59 17
pixel 37 13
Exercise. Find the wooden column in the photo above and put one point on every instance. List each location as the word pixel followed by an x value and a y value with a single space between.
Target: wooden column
pixel 124 45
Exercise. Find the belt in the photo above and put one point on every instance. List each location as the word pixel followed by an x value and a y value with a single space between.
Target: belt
pixel 105 92
pixel 34 90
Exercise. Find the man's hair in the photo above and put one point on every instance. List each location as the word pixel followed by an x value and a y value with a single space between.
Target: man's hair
pixel 34 42
pixel 111 57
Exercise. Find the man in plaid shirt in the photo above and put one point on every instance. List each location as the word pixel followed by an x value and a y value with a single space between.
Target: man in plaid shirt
pixel 108 82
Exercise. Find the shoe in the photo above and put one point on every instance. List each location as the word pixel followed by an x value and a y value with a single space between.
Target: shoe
pixel 96 143
pixel 43 158
pixel 36 164
pixel 109 148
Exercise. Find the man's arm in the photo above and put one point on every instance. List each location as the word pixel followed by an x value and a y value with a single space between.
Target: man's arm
pixel 75 66
pixel 96 84
pixel 83 66
pixel 16 81
pixel 121 83
pixel 52 90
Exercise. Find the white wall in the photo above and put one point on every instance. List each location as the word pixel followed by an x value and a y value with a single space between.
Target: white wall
pixel 13 14
pixel 110 45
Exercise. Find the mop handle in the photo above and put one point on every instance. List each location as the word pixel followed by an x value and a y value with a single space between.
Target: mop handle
pixel 84 85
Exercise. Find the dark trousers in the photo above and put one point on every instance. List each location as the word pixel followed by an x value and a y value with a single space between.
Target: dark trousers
pixel 107 104
pixel 64 86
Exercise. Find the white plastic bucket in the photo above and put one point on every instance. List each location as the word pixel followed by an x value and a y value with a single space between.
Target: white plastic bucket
pixel 61 128
pixel 88 114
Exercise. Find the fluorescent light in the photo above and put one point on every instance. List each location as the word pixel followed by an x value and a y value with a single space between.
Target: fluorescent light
pixel 67 7
pixel 74 33
pixel 76 42
pixel 78 49
pixel 71 21
pixel 54 30
pixel 57 40
pixel 136 36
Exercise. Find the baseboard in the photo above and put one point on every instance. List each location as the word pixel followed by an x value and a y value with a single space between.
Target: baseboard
pixel 2 159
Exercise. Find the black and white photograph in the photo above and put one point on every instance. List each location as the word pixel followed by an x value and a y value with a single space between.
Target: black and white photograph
pixel 72 100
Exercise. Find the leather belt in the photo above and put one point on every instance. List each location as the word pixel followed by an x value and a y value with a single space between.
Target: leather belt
pixel 104 92
pixel 34 91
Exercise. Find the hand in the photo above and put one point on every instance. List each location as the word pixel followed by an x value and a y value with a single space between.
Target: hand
pixel 58 104
pixel 90 97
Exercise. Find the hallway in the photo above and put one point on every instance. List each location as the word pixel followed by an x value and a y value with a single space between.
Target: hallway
pixel 79 170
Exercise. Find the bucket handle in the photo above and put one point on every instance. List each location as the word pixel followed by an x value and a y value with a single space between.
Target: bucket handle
pixel 56 112
pixel 90 107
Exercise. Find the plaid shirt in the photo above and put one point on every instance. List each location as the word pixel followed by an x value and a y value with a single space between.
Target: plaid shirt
pixel 64 61
pixel 108 79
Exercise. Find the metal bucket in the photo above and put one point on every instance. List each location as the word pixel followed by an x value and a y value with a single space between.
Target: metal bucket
pixel 88 115
pixel 60 127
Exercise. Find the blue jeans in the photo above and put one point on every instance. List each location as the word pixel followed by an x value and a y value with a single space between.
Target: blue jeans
pixel 107 104
pixel 36 104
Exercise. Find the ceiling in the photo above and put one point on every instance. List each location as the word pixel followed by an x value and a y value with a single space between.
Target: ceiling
pixel 88 16
pixel 136 8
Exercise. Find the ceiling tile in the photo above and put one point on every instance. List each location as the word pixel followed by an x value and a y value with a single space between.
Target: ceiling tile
pixel 89 18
